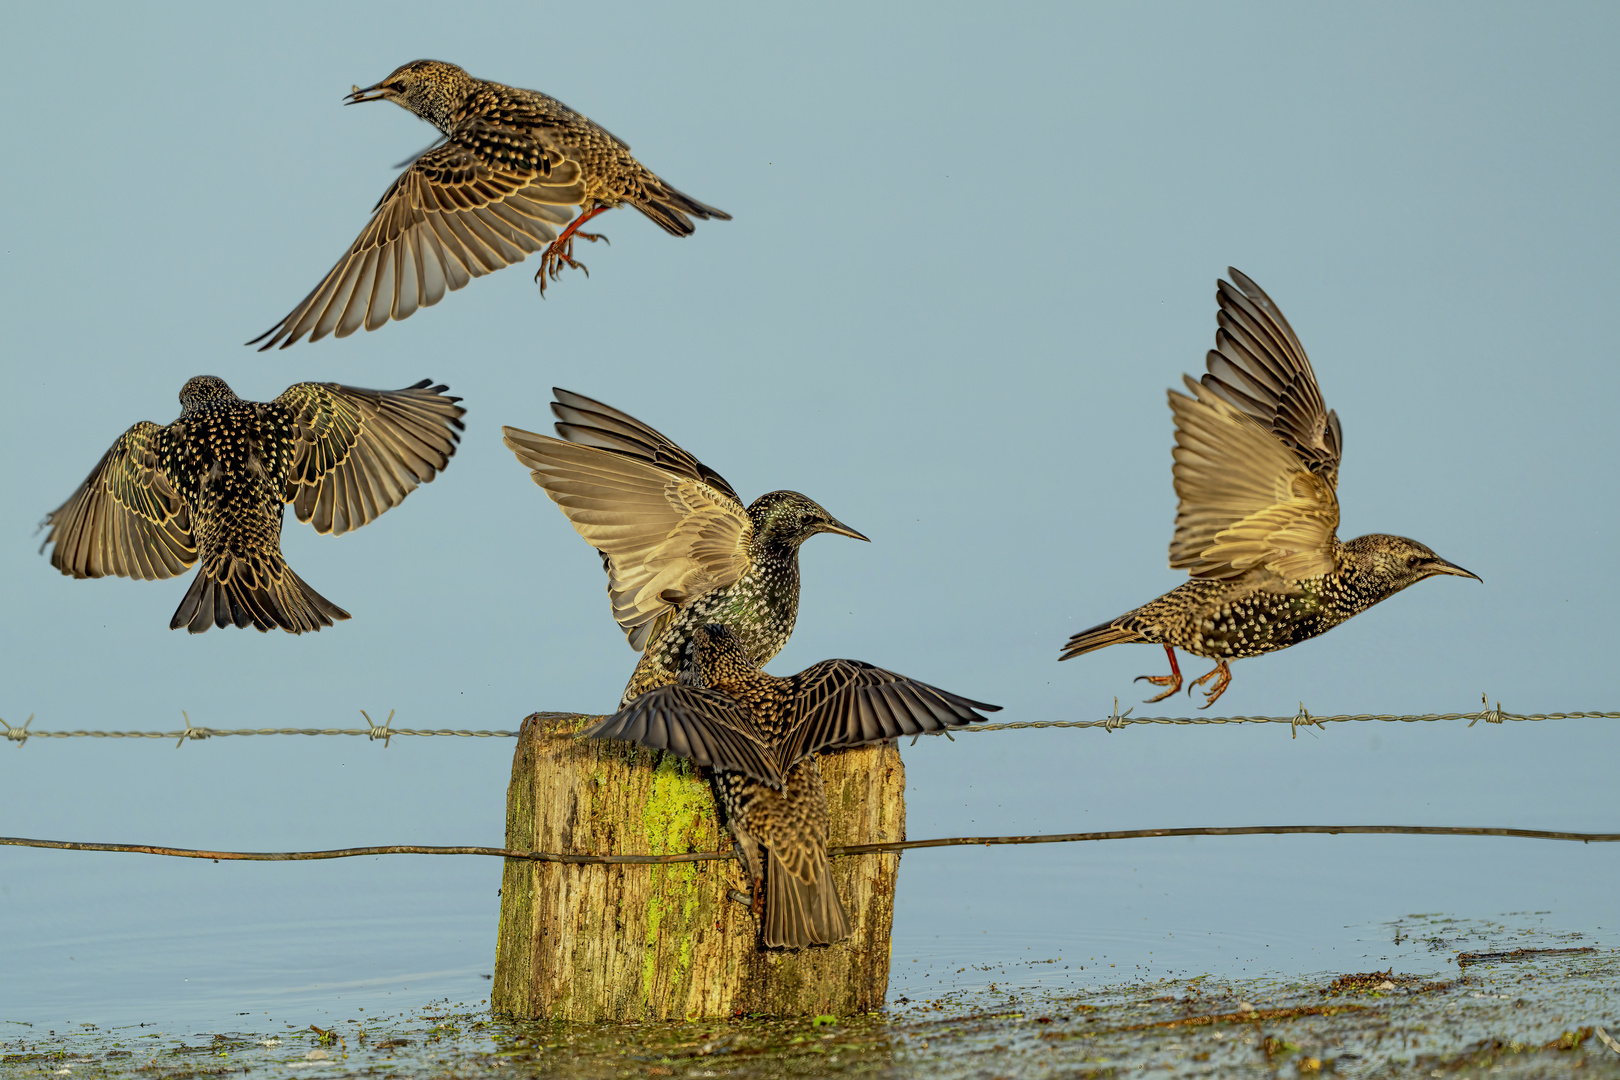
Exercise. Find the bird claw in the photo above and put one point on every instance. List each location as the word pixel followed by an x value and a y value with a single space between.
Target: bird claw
pixel 1223 678
pixel 758 906
pixel 561 250
pixel 560 253
pixel 1172 681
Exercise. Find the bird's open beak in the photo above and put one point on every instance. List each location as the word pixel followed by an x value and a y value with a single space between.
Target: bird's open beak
pixel 1440 566
pixel 374 92
pixel 839 528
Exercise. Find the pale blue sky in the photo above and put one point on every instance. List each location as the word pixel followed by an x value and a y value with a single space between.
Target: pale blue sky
pixel 972 247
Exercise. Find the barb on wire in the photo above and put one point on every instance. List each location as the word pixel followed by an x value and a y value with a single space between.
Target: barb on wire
pixel 1491 716
pixel 19 735
pixel 376 731
pixel 190 732
pixel 834 850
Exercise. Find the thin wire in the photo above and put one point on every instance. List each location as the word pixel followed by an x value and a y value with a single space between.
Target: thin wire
pixel 835 850
pixel 383 732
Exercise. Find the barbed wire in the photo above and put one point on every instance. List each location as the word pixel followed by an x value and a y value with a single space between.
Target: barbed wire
pixel 382 732
pixel 1303 718
pixel 835 850
pixel 372 731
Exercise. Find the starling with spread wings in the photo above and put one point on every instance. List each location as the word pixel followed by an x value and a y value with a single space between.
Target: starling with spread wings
pixel 210 488
pixel 500 185
pixel 1256 471
pixel 679 547
pixel 760 735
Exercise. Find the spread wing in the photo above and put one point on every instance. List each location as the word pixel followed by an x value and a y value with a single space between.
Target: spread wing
pixel 358 453
pixel 848 702
pixel 696 723
pixel 125 519
pixel 480 202
pixel 1259 365
pixel 1247 500
pixel 589 422
pixel 666 537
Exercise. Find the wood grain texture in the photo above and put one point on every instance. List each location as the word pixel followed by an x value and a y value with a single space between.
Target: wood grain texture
pixel 638 942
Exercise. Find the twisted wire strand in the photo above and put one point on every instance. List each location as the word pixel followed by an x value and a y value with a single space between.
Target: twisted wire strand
pixel 383 731
pixel 834 850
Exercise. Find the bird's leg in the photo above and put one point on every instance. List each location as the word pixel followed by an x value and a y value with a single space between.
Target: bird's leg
pixel 758 906
pixel 1223 678
pixel 561 250
pixel 1172 680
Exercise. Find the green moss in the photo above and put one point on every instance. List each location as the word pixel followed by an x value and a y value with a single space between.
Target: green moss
pixel 677 815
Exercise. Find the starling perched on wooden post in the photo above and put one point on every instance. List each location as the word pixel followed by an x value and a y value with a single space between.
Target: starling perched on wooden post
pixel 679 548
pixel 761 734
pixel 495 189
pixel 211 486
pixel 1257 471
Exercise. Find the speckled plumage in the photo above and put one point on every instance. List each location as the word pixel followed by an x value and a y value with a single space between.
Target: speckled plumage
pixel 1257 462
pixel 491 192
pixel 760 735
pixel 679 547
pixel 761 606
pixel 210 488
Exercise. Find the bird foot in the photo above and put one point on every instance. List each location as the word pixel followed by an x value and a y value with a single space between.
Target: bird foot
pixel 758 906
pixel 560 253
pixel 1223 678
pixel 1172 680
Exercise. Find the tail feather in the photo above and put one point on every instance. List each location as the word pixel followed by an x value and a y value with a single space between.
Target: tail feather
pixel 228 592
pixel 800 913
pixel 669 208
pixel 1099 637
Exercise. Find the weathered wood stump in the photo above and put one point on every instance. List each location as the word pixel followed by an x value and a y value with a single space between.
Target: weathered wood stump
pixel 667 941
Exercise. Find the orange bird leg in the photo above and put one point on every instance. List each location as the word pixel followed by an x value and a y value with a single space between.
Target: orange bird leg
pixel 758 904
pixel 1223 678
pixel 561 250
pixel 1172 680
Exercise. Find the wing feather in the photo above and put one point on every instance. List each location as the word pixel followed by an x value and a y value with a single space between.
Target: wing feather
pixel 667 536
pixel 126 519
pixel 360 452
pixel 1246 499
pixel 842 703
pixel 1259 366
pixel 440 224
pixel 589 422
pixel 698 723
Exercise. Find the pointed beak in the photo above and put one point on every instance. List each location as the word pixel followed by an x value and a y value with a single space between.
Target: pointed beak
pixel 1440 566
pixel 375 92
pixel 838 528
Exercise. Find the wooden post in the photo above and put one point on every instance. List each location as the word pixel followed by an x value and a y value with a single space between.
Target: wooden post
pixel 667 941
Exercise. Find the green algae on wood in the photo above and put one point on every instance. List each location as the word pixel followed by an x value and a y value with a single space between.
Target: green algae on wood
pixel 667 941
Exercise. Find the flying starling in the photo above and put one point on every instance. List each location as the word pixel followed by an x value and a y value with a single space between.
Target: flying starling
pixel 211 485
pixel 679 547
pixel 1256 471
pixel 761 735
pixel 497 187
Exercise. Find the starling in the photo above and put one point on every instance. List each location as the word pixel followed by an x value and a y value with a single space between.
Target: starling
pixel 211 485
pixel 679 548
pixel 495 188
pixel 1256 472
pixel 761 735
